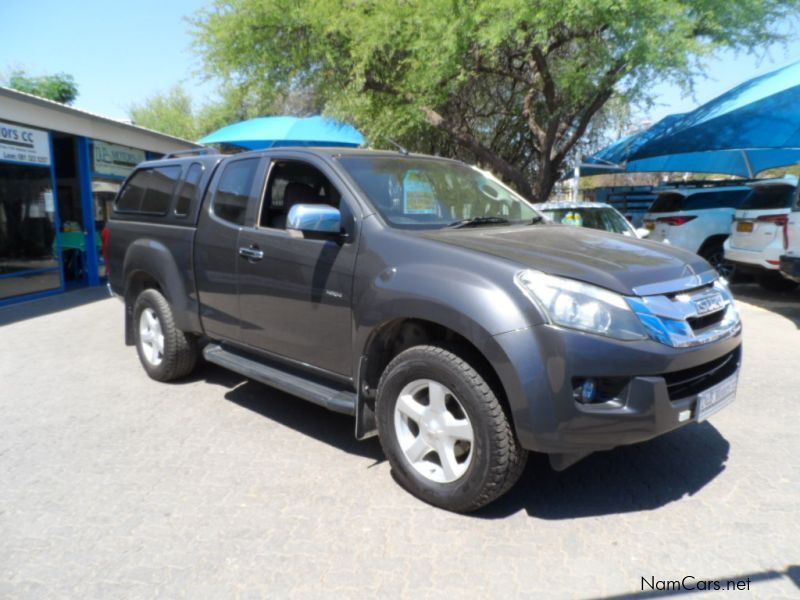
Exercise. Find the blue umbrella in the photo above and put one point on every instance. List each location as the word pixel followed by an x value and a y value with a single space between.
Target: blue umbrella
pixel 269 132
pixel 753 127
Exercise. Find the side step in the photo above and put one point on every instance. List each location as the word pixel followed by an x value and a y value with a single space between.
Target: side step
pixel 334 399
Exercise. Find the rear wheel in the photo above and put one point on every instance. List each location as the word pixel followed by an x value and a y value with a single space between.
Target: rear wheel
pixel 444 431
pixel 715 255
pixel 166 352
pixel 775 282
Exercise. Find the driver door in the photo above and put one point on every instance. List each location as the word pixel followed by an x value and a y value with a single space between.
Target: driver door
pixel 295 293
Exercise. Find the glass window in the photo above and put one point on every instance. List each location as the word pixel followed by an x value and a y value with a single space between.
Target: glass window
pixel 418 193
pixel 604 219
pixel 149 190
pixel 767 197
pixel 160 187
pixel 674 202
pixel 293 183
pixel 233 190
pixel 28 257
pixel 188 190
pixel 130 198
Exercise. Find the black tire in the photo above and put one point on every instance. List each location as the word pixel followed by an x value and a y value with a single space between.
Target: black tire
pixel 773 281
pixel 497 459
pixel 180 349
pixel 715 255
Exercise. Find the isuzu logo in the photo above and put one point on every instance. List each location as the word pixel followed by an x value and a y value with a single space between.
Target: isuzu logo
pixel 708 304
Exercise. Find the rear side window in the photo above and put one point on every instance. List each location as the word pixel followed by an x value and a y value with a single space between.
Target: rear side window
pixel 149 191
pixel 188 190
pixel 765 197
pixel 672 202
pixel 233 190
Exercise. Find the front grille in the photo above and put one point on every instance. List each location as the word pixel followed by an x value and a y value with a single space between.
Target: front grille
pixel 699 323
pixel 692 381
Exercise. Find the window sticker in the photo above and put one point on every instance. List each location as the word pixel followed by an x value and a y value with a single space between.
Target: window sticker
pixel 418 196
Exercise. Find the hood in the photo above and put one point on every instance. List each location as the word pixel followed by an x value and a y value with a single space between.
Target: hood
pixel 609 260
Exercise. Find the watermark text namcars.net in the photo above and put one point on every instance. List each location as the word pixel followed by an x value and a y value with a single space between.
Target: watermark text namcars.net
pixel 689 583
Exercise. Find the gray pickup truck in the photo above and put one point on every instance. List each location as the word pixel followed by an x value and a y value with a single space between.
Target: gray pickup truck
pixel 426 299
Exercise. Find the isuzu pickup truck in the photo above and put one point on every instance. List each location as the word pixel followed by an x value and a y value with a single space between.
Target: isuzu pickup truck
pixel 426 299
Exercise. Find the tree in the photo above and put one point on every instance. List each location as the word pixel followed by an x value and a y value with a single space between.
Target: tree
pixel 171 112
pixel 59 87
pixel 511 84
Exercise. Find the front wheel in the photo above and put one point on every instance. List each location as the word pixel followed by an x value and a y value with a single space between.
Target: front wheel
pixel 715 256
pixel 447 438
pixel 166 352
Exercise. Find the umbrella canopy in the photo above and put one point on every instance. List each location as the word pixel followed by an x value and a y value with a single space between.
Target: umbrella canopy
pixel 753 127
pixel 269 132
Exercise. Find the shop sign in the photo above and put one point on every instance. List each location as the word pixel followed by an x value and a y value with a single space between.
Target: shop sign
pixel 23 144
pixel 111 159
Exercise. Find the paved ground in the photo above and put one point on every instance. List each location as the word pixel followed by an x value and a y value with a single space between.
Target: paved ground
pixel 112 485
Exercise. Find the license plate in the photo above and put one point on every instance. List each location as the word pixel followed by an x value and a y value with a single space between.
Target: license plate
pixel 716 398
pixel 744 226
pixel 650 225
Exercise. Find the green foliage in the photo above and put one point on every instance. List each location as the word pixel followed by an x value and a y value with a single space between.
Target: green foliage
pixel 59 87
pixel 512 84
pixel 170 113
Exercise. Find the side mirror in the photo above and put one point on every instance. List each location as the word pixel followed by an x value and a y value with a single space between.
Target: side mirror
pixel 314 218
pixel 642 232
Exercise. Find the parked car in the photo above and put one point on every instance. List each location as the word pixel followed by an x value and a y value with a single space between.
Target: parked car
pixel 431 303
pixel 760 232
pixel 790 262
pixel 594 215
pixel 696 218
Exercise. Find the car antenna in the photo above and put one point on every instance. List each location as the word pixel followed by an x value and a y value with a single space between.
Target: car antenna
pixel 400 149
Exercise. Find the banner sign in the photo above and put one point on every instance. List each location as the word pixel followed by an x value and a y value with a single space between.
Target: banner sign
pixel 111 159
pixel 23 144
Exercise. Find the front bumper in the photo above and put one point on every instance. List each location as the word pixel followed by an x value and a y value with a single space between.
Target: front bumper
pixel 790 267
pixel 659 384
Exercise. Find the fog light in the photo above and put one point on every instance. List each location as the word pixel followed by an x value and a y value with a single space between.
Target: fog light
pixel 586 393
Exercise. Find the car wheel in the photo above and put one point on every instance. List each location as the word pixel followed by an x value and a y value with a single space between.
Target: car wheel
pixel 716 258
pixel 166 352
pixel 775 282
pixel 445 433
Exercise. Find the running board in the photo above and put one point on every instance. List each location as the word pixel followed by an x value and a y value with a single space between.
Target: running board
pixel 334 399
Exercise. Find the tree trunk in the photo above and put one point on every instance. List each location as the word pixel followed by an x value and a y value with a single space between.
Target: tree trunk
pixel 546 178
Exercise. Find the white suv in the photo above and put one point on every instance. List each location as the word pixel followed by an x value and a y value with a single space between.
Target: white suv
pixel 760 232
pixel 696 218
pixel 790 262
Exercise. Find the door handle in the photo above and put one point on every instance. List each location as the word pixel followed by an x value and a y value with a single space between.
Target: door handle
pixel 251 253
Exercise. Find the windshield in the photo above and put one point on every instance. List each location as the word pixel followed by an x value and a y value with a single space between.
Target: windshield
pixel 420 193
pixel 773 196
pixel 604 219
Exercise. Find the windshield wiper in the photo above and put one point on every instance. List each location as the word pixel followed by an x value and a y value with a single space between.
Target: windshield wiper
pixel 475 221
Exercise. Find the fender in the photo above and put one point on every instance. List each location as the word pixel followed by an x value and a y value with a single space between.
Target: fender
pixel 146 255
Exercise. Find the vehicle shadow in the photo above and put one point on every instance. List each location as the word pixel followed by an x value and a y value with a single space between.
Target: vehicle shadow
pixel 786 304
pixel 627 479
pixel 30 309
pixel 297 414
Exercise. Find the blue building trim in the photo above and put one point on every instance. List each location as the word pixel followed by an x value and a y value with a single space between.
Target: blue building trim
pixel 28 297
pixel 56 208
pixel 27 272
pixel 87 204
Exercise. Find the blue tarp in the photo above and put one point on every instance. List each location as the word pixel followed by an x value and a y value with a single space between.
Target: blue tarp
pixel 269 132
pixel 753 127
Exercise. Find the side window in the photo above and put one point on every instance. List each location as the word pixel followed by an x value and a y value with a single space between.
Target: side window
pixel 160 187
pixel 292 183
pixel 149 191
pixel 233 190
pixel 130 196
pixel 188 190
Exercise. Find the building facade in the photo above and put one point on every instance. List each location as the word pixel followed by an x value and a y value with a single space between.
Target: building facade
pixel 60 169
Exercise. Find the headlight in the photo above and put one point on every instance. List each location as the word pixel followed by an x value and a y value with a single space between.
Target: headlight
pixel 581 306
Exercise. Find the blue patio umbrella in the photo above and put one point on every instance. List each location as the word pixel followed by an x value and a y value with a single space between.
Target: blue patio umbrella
pixel 269 132
pixel 752 127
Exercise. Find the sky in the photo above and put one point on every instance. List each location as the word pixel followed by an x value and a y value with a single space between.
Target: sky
pixel 121 52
